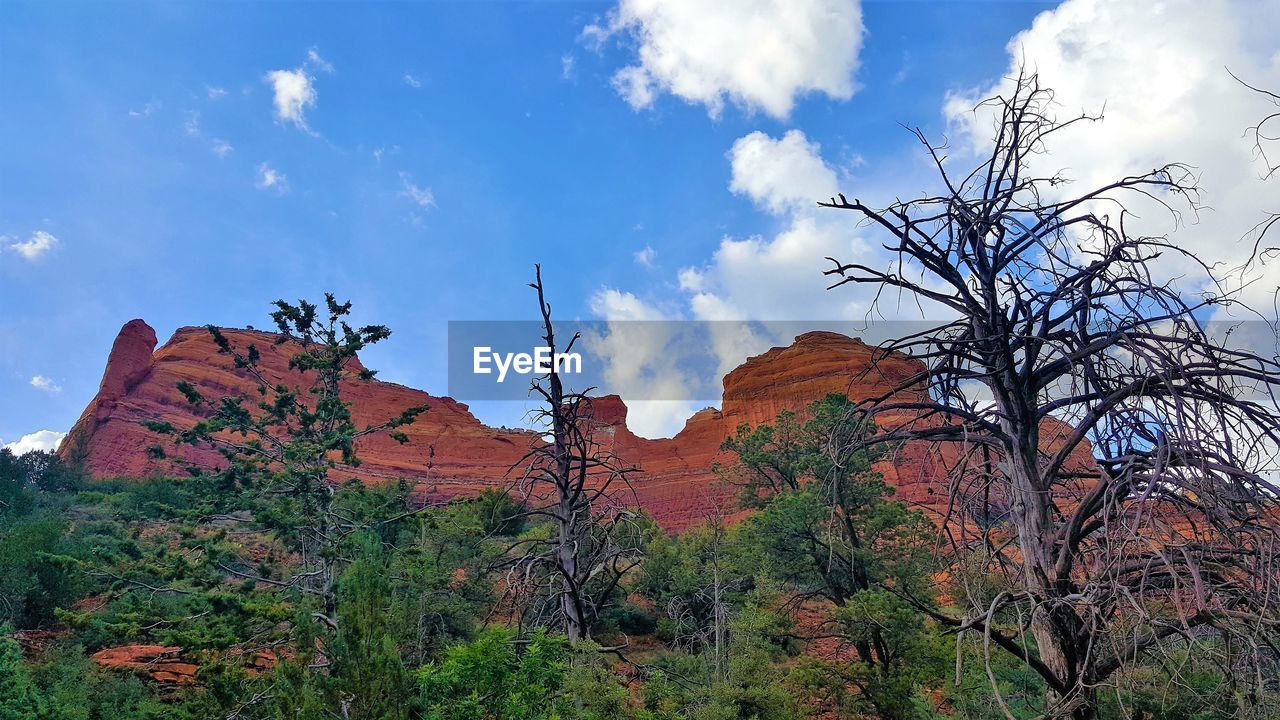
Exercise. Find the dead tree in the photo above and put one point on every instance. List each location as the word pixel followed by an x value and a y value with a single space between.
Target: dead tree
pixel 573 482
pixel 701 618
pixel 1265 136
pixel 1110 472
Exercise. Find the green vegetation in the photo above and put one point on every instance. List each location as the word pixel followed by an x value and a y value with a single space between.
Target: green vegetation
pixel 278 591
pixel 749 620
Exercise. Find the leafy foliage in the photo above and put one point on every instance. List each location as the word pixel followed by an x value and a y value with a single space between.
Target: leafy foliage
pixel 493 677
pixel 17 696
pixel 831 531
pixel 820 602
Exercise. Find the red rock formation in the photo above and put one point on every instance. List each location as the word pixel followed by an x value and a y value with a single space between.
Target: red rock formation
pixel 817 363
pixel 127 365
pixel 110 440
pixel 450 453
pixel 162 664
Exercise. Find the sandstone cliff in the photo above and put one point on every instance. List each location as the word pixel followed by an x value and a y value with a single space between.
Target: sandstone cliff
pixel 451 453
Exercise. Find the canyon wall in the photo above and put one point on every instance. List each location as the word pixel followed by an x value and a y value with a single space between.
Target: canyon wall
pixel 450 453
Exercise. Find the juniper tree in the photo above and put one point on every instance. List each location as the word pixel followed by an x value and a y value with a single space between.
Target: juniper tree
pixel 17 695
pixel 285 447
pixel 829 527
pixel 373 683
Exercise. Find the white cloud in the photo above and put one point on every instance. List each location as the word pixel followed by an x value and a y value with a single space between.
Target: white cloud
pixel 619 305
pixel 411 81
pixel 314 59
pixel 690 280
pixel 752 278
pixel 214 93
pixel 36 246
pixel 1157 69
pixel 567 66
pixel 781 175
pixel 1159 72
pixel 294 93
pixel 40 382
pixel 382 150
pixel 776 277
pixel 423 197
pixel 46 440
pixel 271 179
pixel 637 88
pixel 904 70
pixel 758 54
pixel 645 257
pixel 640 363
pixel 147 110
pixel 191 128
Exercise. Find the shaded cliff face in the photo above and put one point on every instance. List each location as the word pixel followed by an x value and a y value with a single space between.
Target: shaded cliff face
pixel 127 365
pixel 450 453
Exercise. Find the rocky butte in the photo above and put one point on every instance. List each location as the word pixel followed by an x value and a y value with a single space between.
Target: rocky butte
pixel 450 453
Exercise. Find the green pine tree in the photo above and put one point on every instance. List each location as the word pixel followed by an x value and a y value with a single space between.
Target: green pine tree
pixel 17 696
pixel 373 683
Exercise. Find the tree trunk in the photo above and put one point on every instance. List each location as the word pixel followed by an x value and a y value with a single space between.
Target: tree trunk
pixel 570 602
pixel 1053 626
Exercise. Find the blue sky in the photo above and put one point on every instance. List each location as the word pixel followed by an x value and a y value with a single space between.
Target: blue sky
pixel 148 170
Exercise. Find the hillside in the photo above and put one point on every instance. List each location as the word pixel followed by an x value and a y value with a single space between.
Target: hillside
pixel 450 452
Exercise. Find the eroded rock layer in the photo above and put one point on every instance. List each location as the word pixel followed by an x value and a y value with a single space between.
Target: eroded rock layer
pixel 450 453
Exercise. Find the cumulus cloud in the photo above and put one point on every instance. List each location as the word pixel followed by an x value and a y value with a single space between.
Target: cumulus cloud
pixel 1159 72
pixel 782 175
pixel 40 382
pixel 614 304
pixel 757 54
pixel 294 93
pixel 35 247
pixel 640 363
pixel 690 279
pixel 214 93
pixel 46 440
pixel 755 278
pixel 271 179
pixel 411 81
pixel 761 290
pixel 423 197
pixel 645 257
pixel 778 276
